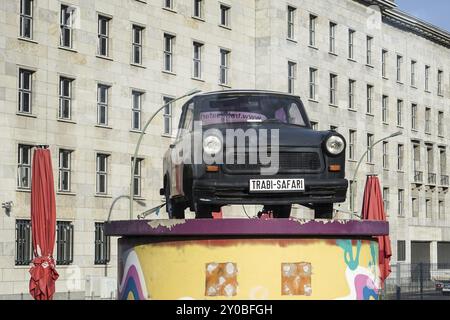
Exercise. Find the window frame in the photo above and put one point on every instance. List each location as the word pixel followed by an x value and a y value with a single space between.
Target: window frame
pixel 352 138
pixel 66 25
pixel 137 177
pixel 23 91
pixel 22 166
pixel 101 173
pixel 312 30
pixel 65 98
pixel 399 68
pixel 351 44
pixel 137 45
pixel 225 15
pixel 385 109
pixel 136 110
pixel 103 36
pixel 332 37
pixel 224 67
pixel 102 106
pixel 24 17
pixel 167 115
pixel 168 50
pixel 63 170
pixel 333 89
pixel 102 245
pixel 23 254
pixel 291 16
pixel 197 60
pixel 369 43
pixel 64 242
pixel 369 102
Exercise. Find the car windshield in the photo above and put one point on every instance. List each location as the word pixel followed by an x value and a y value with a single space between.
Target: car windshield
pixel 250 108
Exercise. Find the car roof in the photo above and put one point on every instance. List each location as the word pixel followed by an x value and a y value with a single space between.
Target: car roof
pixel 245 91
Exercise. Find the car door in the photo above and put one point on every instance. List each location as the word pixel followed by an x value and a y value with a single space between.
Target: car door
pixel 182 142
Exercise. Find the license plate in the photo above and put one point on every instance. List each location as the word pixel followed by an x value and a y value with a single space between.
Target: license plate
pixel 263 185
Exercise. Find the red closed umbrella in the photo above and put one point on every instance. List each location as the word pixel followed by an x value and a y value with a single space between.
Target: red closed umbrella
pixel 373 209
pixel 43 224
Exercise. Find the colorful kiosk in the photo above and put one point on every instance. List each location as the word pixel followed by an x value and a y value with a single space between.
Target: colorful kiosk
pixel 248 258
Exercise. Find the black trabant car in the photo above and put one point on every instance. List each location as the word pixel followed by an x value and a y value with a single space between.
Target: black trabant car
pixel 252 147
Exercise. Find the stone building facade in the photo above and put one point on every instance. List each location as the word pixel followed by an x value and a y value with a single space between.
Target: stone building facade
pixel 82 77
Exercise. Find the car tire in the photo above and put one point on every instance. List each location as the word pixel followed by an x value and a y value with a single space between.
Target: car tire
pixel 203 212
pixel 174 210
pixel 281 211
pixel 323 211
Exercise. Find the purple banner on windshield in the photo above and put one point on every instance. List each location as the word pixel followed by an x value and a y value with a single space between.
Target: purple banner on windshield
pixel 214 117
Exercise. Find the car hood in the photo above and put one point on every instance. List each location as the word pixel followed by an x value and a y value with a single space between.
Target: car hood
pixel 289 135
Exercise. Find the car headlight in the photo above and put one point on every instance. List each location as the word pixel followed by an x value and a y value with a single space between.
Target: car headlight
pixel 212 144
pixel 335 145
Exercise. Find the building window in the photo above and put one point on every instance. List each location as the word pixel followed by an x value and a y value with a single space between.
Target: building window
pixel 443 255
pixel 399 113
pixel 102 244
pixel 66 26
pixel 224 66
pixel 351 44
pixel 136 109
pixel 413 73
pixel 64 242
pixel 65 98
pixel 400 202
pixel 351 144
pixel 136 45
pixel 400 157
pixel 24 167
pixel 333 89
pixel 369 41
pixel 414 116
pixel 313 84
pixel 385 109
pixel 291 22
pixel 224 15
pixel 427 78
pixel 430 164
pixel 197 60
pixel 386 198
pixel 384 55
pixel 292 74
pixel 352 195
pixel 416 159
pixel 369 99
pixel 26 19
pixel 137 177
pixel 401 250
pixel 198 9
pixel 103 36
pixel 428 120
pixel 24 244
pixel 440 78
pixel 168 4
pixel 25 90
pixel 312 30
pixel 168 52
pixel 399 68
pixel 369 148
pixel 385 155
pixel 443 160
pixel 351 94
pixel 441 123
pixel 441 210
pixel 102 104
pixel 65 170
pixel 414 207
pixel 428 208
pixel 333 27
pixel 314 125
pixel 167 115
pixel 102 173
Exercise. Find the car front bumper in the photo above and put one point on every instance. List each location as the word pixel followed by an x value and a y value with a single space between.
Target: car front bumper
pixel 235 190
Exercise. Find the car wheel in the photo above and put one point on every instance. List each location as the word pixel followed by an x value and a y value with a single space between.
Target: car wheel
pixel 323 211
pixel 203 212
pixel 282 211
pixel 174 210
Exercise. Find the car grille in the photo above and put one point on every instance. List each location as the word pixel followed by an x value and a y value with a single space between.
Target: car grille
pixel 289 162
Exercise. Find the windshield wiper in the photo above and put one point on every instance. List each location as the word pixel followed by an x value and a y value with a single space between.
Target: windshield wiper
pixel 273 120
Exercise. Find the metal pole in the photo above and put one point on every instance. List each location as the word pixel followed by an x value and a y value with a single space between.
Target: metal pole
pixel 141 135
pixel 369 148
